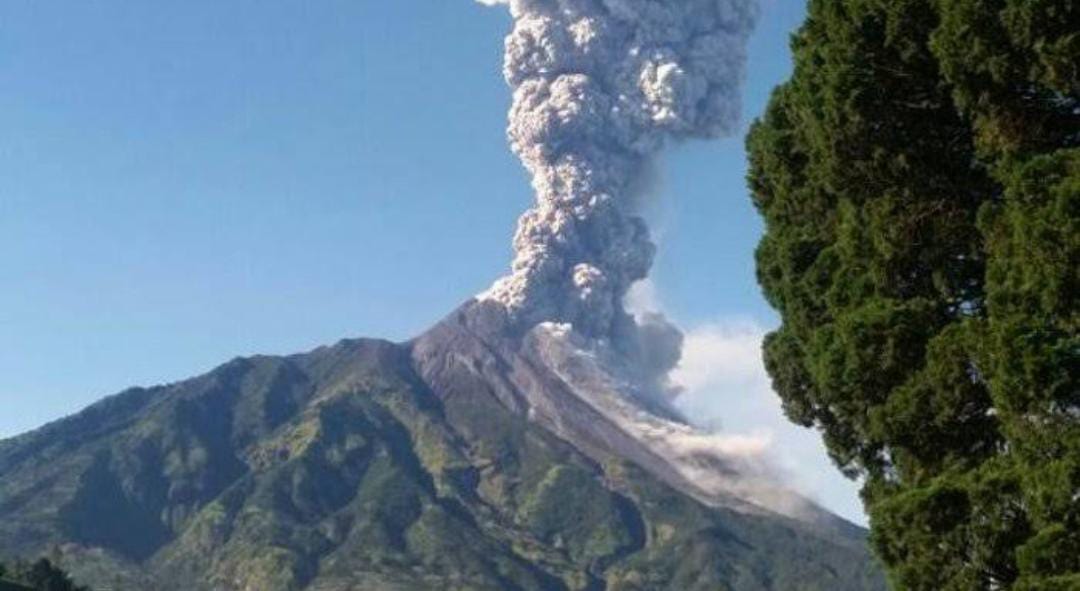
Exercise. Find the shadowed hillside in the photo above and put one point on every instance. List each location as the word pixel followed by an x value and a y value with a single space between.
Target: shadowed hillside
pixel 372 465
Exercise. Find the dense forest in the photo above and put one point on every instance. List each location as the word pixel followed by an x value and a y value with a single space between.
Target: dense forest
pixel 919 176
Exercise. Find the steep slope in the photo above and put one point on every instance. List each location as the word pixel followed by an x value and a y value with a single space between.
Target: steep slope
pixel 462 460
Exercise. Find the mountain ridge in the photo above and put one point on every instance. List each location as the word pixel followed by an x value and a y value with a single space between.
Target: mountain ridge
pixel 456 460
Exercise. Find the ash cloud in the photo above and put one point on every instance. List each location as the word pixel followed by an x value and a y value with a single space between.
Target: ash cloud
pixel 724 384
pixel 600 86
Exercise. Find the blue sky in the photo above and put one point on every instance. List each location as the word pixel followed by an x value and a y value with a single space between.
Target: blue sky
pixel 188 182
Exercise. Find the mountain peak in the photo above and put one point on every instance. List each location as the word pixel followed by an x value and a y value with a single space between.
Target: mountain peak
pixel 471 457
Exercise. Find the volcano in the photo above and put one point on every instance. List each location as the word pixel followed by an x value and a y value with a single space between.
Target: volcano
pixel 474 457
pixel 526 442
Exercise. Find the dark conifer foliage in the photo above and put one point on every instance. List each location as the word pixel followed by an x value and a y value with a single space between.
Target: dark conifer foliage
pixel 919 176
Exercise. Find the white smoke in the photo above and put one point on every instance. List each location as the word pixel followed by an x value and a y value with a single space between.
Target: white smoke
pixel 719 468
pixel 727 396
pixel 600 86
pixel 725 387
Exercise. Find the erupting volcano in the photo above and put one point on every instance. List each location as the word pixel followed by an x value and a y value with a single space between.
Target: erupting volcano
pixel 527 441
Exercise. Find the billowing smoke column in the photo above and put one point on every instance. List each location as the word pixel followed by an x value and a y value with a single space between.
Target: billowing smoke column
pixel 599 87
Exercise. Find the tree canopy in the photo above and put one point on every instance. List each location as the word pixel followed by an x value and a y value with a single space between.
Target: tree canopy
pixel 919 176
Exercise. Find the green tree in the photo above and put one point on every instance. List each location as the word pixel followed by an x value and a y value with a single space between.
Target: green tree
pixel 919 177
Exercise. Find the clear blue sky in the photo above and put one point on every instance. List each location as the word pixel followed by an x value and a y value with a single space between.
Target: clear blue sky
pixel 182 183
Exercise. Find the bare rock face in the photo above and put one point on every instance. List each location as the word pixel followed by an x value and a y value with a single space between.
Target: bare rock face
pixel 474 457
pixel 578 391
pixel 473 351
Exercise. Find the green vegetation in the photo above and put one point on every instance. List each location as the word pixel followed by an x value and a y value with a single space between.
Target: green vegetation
pixel 41 575
pixel 341 469
pixel 919 176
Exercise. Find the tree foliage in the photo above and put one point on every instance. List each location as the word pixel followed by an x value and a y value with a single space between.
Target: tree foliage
pixel 919 176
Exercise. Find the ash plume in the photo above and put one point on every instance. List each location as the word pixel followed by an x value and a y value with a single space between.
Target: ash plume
pixel 600 86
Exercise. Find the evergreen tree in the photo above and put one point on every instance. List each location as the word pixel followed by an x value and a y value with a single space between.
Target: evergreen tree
pixel 919 176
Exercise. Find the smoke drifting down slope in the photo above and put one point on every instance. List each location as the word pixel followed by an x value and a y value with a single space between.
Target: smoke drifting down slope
pixel 600 86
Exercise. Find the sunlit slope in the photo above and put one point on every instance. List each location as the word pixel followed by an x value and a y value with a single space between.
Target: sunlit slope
pixel 373 465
